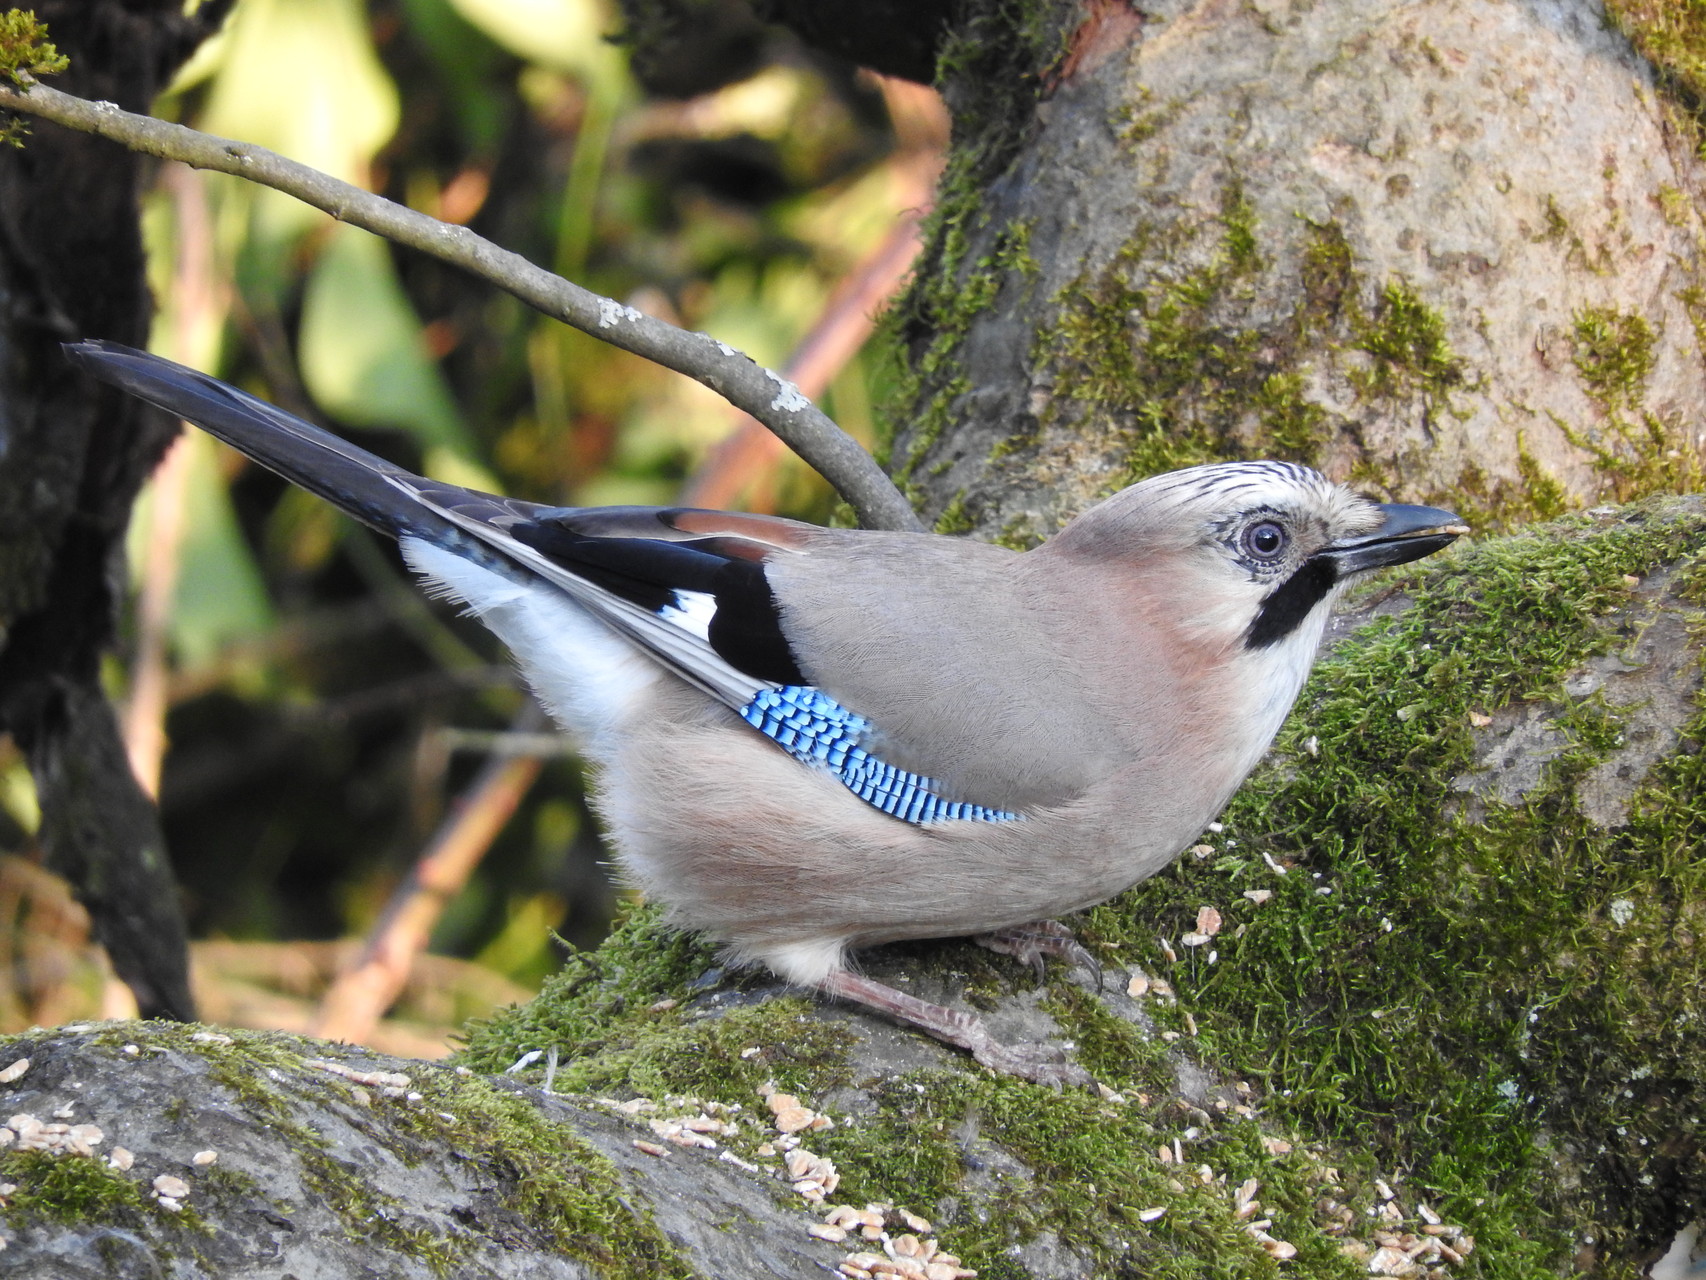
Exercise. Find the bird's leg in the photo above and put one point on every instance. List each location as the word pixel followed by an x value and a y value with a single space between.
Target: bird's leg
pixel 1038 1063
pixel 1035 942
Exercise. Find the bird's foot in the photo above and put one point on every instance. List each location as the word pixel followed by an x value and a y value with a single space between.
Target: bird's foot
pixel 1036 942
pixel 1041 1064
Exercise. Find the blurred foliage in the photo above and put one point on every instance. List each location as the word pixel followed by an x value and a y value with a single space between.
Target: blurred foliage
pixel 313 697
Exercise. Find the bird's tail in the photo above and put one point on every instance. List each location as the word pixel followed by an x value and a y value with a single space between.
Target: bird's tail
pixel 363 484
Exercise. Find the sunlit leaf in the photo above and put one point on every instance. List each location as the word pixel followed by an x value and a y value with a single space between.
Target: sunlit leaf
pixel 301 77
pixel 565 35
pixel 361 350
pixel 220 597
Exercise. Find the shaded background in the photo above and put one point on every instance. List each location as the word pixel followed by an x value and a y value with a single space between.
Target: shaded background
pixel 310 721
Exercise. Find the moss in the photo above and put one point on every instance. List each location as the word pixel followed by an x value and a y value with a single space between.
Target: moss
pixel 1675 206
pixel 641 963
pixel 1293 426
pixel 562 1186
pixel 1545 496
pixel 993 65
pixel 1152 357
pixel 73 1190
pixel 1238 241
pixel 25 56
pixel 1672 37
pixel 1328 277
pixel 952 311
pixel 1406 338
pixel 551 1182
pixel 1138 121
pixel 1018 534
pixel 25 51
pixel 1613 355
pixel 1693 299
pixel 1639 455
pixel 954 517
pixel 1091 1178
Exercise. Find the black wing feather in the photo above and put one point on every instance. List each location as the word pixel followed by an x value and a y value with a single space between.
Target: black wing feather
pixel 746 630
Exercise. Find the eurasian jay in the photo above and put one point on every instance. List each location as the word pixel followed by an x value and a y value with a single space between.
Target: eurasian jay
pixel 810 740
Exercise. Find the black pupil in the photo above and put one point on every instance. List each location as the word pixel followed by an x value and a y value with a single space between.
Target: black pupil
pixel 1266 539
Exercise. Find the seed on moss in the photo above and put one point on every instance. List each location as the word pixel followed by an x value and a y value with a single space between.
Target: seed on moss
pixel 650 1148
pixel 15 1071
pixel 1277 1249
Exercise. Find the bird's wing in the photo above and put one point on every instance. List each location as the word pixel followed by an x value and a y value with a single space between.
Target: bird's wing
pixel 687 586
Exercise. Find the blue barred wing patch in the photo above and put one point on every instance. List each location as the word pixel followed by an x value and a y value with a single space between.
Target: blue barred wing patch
pixel 818 730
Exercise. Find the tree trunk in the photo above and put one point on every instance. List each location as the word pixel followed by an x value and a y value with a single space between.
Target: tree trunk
pixel 1449 250
pixel 72 458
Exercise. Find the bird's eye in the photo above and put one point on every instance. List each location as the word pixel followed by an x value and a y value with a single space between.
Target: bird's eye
pixel 1265 541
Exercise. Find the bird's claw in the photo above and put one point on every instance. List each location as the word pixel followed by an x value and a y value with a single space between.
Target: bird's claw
pixel 1034 943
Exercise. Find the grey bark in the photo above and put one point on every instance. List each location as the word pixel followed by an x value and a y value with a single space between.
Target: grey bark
pixel 1512 167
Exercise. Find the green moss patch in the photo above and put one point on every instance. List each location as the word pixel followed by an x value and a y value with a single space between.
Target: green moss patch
pixel 994 66
pixel 73 1190
pixel 1613 355
pixel 1672 36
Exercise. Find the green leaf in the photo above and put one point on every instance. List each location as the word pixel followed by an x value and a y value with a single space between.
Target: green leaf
pixel 220 597
pixel 361 351
pixel 301 77
pixel 563 35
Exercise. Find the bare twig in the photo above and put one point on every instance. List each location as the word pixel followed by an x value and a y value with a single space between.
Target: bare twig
pixel 767 396
pixel 368 986
pixel 198 306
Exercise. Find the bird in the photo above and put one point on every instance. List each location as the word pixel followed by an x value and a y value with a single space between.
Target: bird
pixel 810 741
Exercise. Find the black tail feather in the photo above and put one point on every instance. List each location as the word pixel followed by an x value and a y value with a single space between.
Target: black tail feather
pixel 349 477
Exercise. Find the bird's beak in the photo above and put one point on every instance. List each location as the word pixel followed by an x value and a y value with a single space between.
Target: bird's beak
pixel 1407 533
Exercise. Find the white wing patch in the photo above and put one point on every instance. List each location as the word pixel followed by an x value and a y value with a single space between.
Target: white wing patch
pixel 692 612
pixel 588 676
pixel 686 654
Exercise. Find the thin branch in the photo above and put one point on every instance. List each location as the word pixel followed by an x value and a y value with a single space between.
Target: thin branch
pixel 371 981
pixel 767 396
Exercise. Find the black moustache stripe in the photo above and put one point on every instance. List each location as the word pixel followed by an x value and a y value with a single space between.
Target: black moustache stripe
pixel 1284 611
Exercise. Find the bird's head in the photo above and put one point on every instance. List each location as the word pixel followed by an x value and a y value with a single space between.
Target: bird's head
pixel 1252 554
